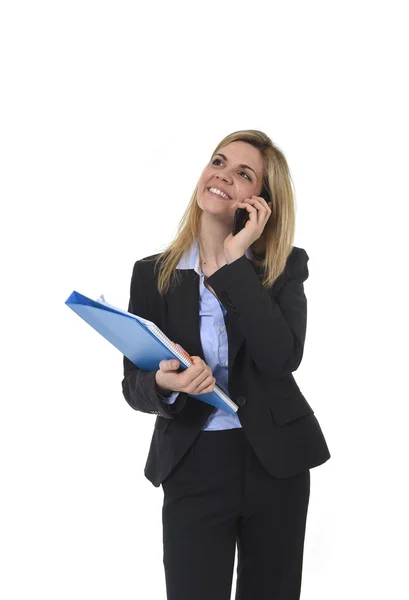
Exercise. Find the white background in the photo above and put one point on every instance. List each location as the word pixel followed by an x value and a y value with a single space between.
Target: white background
pixel 109 113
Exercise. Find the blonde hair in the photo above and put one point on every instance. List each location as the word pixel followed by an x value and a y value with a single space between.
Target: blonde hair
pixel 271 250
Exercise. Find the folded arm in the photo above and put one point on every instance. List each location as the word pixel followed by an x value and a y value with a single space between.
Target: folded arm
pixel 274 327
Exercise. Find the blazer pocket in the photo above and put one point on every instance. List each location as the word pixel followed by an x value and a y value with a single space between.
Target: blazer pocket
pixel 290 409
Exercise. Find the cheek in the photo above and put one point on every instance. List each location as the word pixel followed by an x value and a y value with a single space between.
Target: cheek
pixel 202 181
pixel 204 178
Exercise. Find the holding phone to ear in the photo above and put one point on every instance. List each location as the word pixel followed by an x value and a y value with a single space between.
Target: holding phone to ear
pixel 241 216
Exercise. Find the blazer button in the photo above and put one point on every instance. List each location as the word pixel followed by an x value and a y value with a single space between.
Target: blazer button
pixel 241 401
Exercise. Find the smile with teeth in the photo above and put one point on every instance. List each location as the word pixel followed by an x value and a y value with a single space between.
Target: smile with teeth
pixel 218 192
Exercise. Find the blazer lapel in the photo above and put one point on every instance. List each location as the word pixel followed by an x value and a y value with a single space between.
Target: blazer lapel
pixel 183 325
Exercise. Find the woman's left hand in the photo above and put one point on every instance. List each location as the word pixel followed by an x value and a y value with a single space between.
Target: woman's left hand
pixel 236 245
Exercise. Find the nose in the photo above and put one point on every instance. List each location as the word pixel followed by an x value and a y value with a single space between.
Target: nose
pixel 223 176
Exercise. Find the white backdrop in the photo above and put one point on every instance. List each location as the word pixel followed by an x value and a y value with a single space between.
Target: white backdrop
pixel 109 113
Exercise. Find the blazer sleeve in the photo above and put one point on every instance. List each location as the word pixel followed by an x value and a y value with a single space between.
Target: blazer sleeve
pixel 274 326
pixel 139 386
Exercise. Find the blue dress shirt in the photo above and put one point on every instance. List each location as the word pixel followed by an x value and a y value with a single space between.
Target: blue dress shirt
pixel 213 337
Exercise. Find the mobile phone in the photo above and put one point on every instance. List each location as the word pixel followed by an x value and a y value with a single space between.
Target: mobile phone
pixel 241 216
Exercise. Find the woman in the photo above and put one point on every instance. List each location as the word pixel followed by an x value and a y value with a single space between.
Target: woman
pixel 237 305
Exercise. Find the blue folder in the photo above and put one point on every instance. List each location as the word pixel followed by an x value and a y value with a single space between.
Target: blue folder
pixel 140 340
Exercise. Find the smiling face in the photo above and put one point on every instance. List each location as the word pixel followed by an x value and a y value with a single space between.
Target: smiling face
pixel 238 173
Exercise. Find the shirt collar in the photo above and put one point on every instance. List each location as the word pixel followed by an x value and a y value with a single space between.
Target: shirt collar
pixel 191 259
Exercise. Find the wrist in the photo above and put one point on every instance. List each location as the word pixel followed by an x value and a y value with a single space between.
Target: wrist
pixel 161 390
pixel 231 258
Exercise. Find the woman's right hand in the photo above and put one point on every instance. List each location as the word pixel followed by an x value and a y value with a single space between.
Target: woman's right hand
pixel 196 379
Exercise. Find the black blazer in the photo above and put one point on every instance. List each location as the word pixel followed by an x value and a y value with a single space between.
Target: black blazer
pixel 266 332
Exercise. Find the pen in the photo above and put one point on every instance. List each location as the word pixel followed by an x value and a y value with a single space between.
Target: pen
pixel 183 351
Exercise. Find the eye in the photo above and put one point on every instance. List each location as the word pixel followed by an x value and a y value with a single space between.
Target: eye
pixel 247 175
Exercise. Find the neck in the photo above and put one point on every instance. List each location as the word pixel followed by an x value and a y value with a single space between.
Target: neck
pixel 212 233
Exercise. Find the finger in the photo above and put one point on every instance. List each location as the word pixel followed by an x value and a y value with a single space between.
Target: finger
pixel 254 211
pixel 247 205
pixel 258 206
pixel 260 202
pixel 169 365
pixel 203 385
pixel 254 203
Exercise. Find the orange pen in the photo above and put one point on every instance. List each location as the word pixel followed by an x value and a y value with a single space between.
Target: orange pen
pixel 184 351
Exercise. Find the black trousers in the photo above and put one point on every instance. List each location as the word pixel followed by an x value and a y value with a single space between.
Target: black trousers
pixel 219 495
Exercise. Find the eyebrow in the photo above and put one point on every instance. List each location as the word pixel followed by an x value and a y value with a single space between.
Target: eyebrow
pixel 241 166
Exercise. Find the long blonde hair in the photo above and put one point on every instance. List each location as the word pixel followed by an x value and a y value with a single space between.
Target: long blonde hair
pixel 271 250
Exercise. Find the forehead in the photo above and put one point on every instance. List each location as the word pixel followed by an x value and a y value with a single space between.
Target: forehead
pixel 241 152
